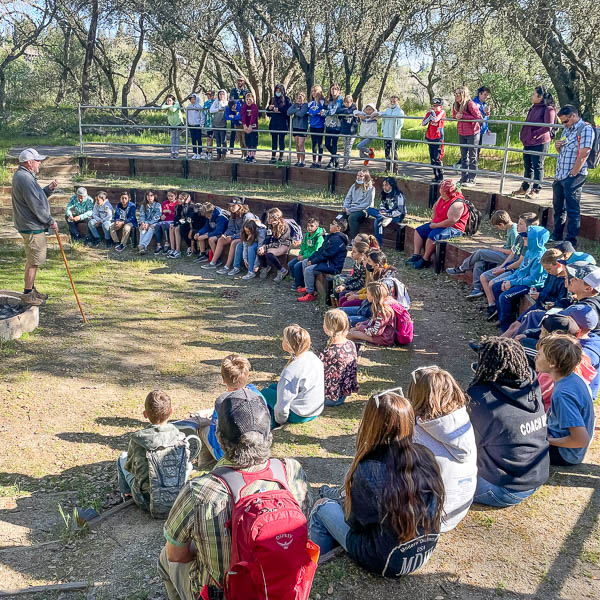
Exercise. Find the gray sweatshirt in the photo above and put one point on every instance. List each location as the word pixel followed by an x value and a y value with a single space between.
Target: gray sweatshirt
pixel 301 388
pixel 452 440
pixel 31 209
pixel 359 199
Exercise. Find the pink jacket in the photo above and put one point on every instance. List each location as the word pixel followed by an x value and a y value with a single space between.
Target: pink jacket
pixel 472 112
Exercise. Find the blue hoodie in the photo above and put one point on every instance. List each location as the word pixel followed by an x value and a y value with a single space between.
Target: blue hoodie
pixel 126 213
pixel 591 346
pixel 531 272
pixel 316 120
pixel 236 117
pixel 217 224
pixel 332 252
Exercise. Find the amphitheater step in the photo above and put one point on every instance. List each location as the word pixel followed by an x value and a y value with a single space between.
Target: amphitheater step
pixel 12 159
pixel 9 236
pixel 56 210
pixel 52 171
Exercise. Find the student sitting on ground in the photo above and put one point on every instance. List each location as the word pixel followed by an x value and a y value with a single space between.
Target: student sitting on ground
pixel 168 447
pixel 311 242
pixel 329 259
pixel 79 210
pixel 298 396
pixel 235 372
pixel 180 226
pixel 509 420
pixel 392 207
pixel 450 216
pixel 443 426
pixel 572 256
pixel 344 284
pixel 101 217
pixel 217 222
pixel 511 263
pixel 198 222
pixel 252 237
pixel 339 359
pixel 276 245
pixel 358 200
pixel 389 517
pixel 197 554
pixel 479 261
pixel 529 275
pixel 124 220
pixel 150 212
pixel 571 417
pixel 167 216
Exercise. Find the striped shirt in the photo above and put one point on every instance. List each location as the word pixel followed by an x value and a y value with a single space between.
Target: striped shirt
pixel 202 509
pixel 581 135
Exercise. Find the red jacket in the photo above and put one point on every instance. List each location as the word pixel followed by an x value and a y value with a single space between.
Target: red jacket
pixel 471 112
pixel 441 208
pixel 249 115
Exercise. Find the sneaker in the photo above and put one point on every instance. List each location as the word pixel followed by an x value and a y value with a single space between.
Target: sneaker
pixel 474 346
pixel 421 264
pixel 371 152
pixel 386 221
pixel 249 275
pixel 264 272
pixel 331 165
pixel 533 195
pixel 202 258
pixel 224 270
pixel 31 299
pixel 519 192
pixel 301 290
pixel 455 271
pixel 280 275
pixel 209 156
pixel 166 249
pixel 492 312
pixel 414 258
pixel 475 294
pixel 313 166
pixel 119 248
pixel 272 161
pixel 203 156
pixel 189 252
pixel 233 272
pixel 176 254
pixel 307 298
pixel 142 249
pixel 468 184
pixel 301 164
pixel 158 250
pixel 338 402
pixel 210 266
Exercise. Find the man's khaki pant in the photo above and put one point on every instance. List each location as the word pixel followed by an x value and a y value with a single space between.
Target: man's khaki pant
pixel 176 577
pixel 125 233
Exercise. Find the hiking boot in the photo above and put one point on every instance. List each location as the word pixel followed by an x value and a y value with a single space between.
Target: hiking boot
pixel 43 297
pixel 233 272
pixel 492 313
pixel 264 272
pixel 533 194
pixel 475 294
pixel 280 275
pixel 455 271
pixel 31 299
pixel 519 192
pixel 307 298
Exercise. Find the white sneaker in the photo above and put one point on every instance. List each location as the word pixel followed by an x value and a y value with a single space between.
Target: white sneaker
pixel 194 156
pixel 249 275
pixel 202 156
pixel 209 157
pixel 189 252
pixel 224 270
pixel 386 221
pixel 233 272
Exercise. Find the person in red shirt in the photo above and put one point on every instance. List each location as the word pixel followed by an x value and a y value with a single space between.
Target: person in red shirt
pixel 434 119
pixel 166 219
pixel 450 215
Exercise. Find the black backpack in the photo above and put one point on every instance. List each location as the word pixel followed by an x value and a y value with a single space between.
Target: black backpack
pixel 474 221
pixel 593 159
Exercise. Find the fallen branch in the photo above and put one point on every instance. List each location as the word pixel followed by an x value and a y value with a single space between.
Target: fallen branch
pixel 33 547
pixel 58 587
pixel 109 513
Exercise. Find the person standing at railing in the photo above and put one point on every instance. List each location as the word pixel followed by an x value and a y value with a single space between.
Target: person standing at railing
pixel 434 119
pixel 193 116
pixel 237 93
pixel 536 138
pixel 348 127
pixel 233 116
pixel 217 110
pixel 466 112
pixel 391 131
pixel 480 98
pixel 299 113
pixel 571 172
pixel 279 121
pixel 175 120
pixel 367 131
pixel 207 124
pixel 249 120
pixel 332 123
pixel 316 113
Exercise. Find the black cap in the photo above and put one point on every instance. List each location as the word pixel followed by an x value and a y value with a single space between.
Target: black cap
pixel 560 323
pixel 438 101
pixel 242 411
pixel 565 247
pixel 235 201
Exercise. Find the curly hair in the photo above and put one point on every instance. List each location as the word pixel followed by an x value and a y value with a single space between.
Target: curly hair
pixel 501 358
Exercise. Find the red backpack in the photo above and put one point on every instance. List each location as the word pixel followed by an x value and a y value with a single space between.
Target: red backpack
pixel 271 555
pixel 404 324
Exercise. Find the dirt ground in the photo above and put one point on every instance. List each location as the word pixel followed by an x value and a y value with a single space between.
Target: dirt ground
pixel 70 396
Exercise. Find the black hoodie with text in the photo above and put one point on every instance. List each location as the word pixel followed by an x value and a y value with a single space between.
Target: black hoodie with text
pixel 510 431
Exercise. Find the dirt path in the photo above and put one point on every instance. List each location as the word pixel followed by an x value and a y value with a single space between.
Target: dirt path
pixel 70 397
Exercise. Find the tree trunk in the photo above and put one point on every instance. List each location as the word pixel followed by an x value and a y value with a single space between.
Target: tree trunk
pixel 66 55
pixel 2 90
pixel 132 69
pixel 386 73
pixel 90 44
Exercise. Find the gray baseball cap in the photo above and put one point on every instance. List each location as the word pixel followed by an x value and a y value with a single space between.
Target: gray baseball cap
pixel 81 191
pixel 31 154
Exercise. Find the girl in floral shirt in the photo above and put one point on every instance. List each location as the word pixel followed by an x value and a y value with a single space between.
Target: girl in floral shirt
pixel 339 359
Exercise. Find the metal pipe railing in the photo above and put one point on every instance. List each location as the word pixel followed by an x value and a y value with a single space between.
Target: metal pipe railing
pixel 395 141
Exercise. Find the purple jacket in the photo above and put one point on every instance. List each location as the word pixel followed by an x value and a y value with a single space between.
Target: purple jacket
pixel 534 135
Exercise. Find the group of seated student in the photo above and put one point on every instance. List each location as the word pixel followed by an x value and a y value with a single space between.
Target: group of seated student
pixel 421 459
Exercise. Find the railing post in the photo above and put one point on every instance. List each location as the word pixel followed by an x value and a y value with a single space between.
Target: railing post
pixel 80 129
pixel 505 159
pixel 393 151
pixel 290 145
pixel 186 137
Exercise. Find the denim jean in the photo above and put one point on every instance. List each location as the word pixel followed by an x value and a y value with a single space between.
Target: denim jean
pixel 363 147
pixel 125 478
pixel 94 231
pixel 468 156
pixel 348 143
pixel 295 267
pixel 146 237
pixel 196 135
pixel 162 228
pixel 221 142
pixel 565 200
pixel 436 234
pixel 479 261
pixel 494 495
pixel 355 315
pixel 331 141
pixel 377 226
pixel 250 252
pixel 327 526
pixel 506 301
pixel 175 140
pixel 534 166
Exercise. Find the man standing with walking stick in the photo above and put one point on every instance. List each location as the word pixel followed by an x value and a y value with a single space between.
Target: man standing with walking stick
pixel 32 218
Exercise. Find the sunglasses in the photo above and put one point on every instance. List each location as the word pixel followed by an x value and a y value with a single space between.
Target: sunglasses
pixel 419 369
pixel 397 390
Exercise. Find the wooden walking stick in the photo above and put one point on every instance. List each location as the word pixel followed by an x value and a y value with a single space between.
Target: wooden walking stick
pixel 70 276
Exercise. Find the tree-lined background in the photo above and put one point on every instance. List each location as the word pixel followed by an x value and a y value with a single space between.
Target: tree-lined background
pixel 58 53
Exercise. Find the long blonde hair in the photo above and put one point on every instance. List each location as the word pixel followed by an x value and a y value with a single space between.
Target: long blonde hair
pixel 298 340
pixel 434 393
pixel 278 227
pixel 318 93
pixel 335 322
pixel 380 293
pixel 465 97
pixel 368 181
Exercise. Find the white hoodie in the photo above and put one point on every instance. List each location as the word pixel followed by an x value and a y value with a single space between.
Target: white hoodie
pixel 452 440
pixel 194 113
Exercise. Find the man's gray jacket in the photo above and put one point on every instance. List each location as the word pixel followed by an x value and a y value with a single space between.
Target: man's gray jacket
pixel 31 209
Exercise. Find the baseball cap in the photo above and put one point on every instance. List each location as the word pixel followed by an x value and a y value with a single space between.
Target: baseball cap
pixel 236 202
pixel 589 273
pixel 81 191
pixel 559 322
pixel 31 154
pixel 240 412
pixel 565 247
pixel 583 314
pixel 437 101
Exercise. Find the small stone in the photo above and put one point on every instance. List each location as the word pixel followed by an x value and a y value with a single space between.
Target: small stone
pixel 330 590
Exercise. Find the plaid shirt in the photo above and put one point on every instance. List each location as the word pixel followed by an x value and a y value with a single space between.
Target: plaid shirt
pixel 568 153
pixel 202 509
